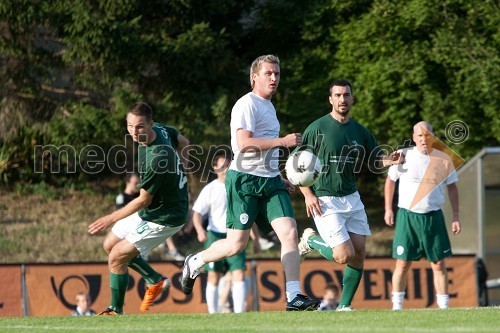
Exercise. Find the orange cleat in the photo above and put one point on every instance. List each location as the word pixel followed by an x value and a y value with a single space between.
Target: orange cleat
pixel 153 292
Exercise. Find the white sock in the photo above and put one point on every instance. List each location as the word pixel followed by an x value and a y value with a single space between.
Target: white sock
pixel 212 296
pixel 238 291
pixel 442 301
pixel 195 263
pixel 397 300
pixel 292 290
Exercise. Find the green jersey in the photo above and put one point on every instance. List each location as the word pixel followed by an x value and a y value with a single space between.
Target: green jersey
pixel 341 149
pixel 162 176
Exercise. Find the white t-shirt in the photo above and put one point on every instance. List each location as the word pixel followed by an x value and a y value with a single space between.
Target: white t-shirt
pixel 257 115
pixel 423 179
pixel 212 201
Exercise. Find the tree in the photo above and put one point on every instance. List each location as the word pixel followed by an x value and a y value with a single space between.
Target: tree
pixel 77 66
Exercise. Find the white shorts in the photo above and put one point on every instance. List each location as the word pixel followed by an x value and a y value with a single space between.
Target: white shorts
pixel 334 228
pixel 144 235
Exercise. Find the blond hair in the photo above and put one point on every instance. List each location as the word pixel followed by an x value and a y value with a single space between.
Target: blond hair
pixel 256 64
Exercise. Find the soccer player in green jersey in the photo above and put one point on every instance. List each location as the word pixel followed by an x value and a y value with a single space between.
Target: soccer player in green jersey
pixel 157 213
pixel 333 201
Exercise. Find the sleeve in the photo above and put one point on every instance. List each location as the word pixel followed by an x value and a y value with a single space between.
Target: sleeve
pixel 452 178
pixel 373 151
pixel 393 173
pixel 202 204
pixel 446 169
pixel 311 140
pixel 243 117
pixel 173 133
pixel 452 173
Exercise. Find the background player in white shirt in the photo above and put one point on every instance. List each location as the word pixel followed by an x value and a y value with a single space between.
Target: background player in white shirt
pixel 212 201
pixel 420 225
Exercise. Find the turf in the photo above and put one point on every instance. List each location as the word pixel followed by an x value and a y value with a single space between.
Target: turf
pixel 439 321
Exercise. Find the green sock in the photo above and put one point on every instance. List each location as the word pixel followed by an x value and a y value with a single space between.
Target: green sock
pixel 317 243
pixel 352 276
pixel 147 272
pixel 119 284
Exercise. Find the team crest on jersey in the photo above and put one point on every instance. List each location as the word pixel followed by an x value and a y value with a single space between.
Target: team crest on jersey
pixel 244 218
pixel 400 250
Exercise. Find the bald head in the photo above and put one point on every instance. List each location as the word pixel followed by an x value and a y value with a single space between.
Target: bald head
pixel 423 137
pixel 422 126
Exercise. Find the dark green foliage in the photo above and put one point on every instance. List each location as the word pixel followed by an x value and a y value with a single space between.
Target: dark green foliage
pixel 70 69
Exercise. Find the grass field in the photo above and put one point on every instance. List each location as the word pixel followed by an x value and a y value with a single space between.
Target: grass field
pixel 439 321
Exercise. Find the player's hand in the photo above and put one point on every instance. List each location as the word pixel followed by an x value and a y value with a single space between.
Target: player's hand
pixel 100 224
pixel 455 227
pixel 292 140
pixel 202 236
pixel 289 186
pixel 313 205
pixel 389 217
pixel 393 158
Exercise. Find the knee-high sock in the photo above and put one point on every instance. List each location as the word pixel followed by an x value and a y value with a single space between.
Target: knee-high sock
pixel 398 299
pixel 442 300
pixel 238 291
pixel 352 277
pixel 212 296
pixel 118 284
pixel 317 243
pixel 147 272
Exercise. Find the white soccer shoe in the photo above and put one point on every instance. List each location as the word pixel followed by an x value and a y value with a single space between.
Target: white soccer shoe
pixel 304 248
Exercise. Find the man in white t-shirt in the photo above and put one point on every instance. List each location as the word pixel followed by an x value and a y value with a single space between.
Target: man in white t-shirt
pixel 256 192
pixel 420 225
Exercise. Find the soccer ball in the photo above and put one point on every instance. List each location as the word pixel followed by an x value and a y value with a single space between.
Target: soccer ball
pixel 303 168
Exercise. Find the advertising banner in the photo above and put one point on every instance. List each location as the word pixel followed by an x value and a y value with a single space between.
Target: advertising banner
pixel 51 289
pixel 11 300
pixel 375 288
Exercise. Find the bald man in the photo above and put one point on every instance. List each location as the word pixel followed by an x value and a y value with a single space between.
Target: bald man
pixel 420 224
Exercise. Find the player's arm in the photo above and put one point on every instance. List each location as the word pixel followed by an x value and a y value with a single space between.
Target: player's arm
pixel 453 195
pixel 198 226
pixel 142 201
pixel 313 205
pixel 389 189
pixel 246 141
pixel 183 142
pixel 312 139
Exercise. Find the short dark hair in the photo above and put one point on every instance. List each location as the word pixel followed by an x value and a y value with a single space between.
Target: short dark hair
pixel 218 155
pixel 142 109
pixel 340 83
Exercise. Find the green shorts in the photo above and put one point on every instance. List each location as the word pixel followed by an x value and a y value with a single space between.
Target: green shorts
pixel 233 263
pixel 255 199
pixel 420 235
